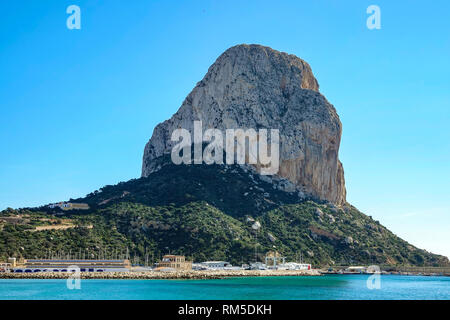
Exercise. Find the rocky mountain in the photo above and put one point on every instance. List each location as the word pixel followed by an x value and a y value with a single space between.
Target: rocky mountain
pixel 251 86
pixel 227 211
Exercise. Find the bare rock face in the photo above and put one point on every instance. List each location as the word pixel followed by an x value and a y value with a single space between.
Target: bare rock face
pixel 251 86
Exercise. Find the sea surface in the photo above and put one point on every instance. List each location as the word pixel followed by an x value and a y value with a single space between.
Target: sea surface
pixel 330 287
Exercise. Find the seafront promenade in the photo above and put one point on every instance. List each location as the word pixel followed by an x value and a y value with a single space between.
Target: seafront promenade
pixel 191 274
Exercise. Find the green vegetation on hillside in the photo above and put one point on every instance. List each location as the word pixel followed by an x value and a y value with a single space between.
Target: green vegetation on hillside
pixel 207 213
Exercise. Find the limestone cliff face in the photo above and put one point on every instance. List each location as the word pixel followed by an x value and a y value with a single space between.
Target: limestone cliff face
pixel 251 86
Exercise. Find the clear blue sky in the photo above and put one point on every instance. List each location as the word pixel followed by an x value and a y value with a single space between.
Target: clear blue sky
pixel 78 106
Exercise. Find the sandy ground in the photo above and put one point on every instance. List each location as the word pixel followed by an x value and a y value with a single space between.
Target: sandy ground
pixel 57 227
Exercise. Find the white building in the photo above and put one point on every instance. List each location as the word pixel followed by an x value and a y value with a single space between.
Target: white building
pixel 258 266
pixel 356 269
pixel 215 265
pixel 294 266
pixel 70 265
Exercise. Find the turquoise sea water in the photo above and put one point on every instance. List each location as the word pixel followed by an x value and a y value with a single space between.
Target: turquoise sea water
pixel 303 288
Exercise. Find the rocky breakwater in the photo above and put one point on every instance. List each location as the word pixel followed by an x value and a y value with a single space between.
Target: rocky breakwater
pixel 209 274
pixel 251 86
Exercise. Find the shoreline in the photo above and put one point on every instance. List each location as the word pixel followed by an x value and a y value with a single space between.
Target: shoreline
pixel 162 275
pixel 191 274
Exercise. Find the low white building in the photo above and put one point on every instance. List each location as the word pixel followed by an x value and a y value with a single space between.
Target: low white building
pixel 71 265
pixel 215 265
pixel 294 266
pixel 356 269
pixel 258 266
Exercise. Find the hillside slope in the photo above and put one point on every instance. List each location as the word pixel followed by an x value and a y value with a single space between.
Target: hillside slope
pixel 207 213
